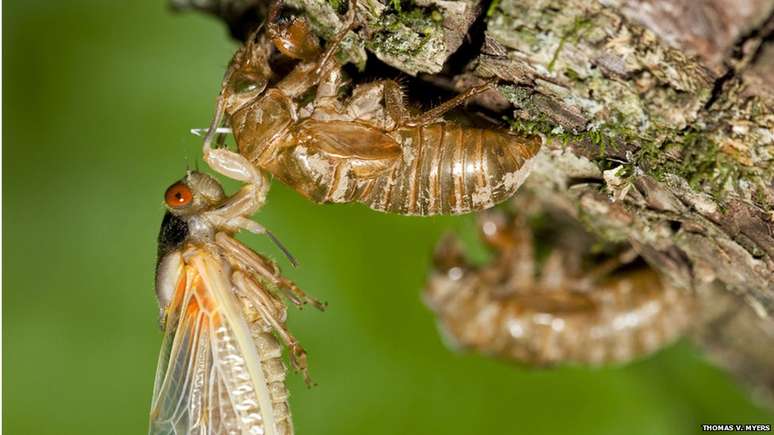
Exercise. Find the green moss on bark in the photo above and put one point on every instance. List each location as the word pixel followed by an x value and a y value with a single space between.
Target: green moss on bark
pixel 410 35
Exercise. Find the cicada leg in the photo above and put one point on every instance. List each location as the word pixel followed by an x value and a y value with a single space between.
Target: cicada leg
pixel 259 298
pixel 233 214
pixel 610 265
pixel 553 274
pixel 394 100
pixel 248 259
pixel 236 166
pixel 230 163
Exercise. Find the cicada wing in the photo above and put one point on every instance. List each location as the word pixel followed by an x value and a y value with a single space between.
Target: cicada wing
pixel 209 379
pixel 367 150
pixel 350 139
pixel 184 357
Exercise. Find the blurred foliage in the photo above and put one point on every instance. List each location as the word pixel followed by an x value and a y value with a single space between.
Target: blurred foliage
pixel 99 97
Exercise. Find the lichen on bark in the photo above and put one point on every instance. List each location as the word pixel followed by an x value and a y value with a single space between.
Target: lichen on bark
pixel 412 36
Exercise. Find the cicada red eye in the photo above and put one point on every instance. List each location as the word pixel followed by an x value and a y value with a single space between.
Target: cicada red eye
pixel 178 195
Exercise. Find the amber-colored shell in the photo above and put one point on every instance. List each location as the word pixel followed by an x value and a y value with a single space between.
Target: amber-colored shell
pixel 558 315
pixel 367 147
pixel 440 168
pixel 627 317
pixel 449 169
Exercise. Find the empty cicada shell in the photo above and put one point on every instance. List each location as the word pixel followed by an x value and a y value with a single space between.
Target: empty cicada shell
pixel 605 314
pixel 366 148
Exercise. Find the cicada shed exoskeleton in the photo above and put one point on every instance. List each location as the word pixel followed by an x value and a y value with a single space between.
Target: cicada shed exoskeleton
pixel 365 148
pixel 566 313
pixel 220 368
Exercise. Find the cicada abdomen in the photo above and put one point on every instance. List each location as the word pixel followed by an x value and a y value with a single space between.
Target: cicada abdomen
pixel 505 309
pixel 275 372
pixel 445 168
pixel 266 317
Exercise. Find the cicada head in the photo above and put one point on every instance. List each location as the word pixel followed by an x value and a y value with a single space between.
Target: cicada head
pixel 193 194
pixel 248 74
pixel 185 201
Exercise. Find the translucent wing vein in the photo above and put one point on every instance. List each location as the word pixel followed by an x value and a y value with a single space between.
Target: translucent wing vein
pixel 209 378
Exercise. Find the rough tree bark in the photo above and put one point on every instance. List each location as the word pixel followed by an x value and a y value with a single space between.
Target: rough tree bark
pixel 657 116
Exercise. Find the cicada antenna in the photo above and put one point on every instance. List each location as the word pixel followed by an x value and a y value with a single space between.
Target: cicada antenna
pixel 282 248
pixel 191 162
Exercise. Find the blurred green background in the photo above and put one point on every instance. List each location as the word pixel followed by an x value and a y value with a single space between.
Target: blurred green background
pixel 99 97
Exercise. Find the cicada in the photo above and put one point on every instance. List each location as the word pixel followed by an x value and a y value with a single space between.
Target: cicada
pixel 220 368
pixel 365 147
pixel 611 313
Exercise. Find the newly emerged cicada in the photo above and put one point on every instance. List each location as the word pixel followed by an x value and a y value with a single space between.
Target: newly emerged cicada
pixel 366 147
pixel 220 368
pixel 568 313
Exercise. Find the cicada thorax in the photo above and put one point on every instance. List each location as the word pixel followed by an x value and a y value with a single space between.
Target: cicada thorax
pixel 263 135
pixel 258 126
pixel 269 136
